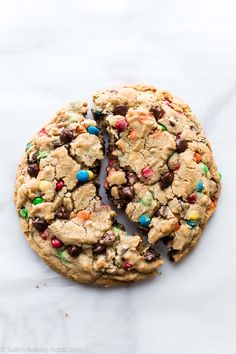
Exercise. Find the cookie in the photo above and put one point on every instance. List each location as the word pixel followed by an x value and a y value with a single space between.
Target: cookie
pixel 61 212
pixel 161 170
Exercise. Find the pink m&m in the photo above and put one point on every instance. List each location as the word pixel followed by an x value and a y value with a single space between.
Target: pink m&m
pixel 128 265
pixel 121 125
pixel 59 185
pixel 147 172
pixel 56 243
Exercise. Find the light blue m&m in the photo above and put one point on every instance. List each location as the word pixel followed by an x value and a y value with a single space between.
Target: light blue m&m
pixel 144 220
pixel 93 130
pixel 200 186
pixel 82 176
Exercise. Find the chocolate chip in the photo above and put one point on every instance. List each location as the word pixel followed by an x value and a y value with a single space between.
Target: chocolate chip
pixel 62 213
pixel 126 193
pixel 132 178
pixel 99 248
pixel 66 136
pixel 166 179
pixel 56 144
pixel 74 250
pixel 121 110
pixel 157 112
pixel 108 238
pixel 171 255
pixel 181 145
pixel 33 158
pixel 40 224
pixel 150 255
pixel 33 170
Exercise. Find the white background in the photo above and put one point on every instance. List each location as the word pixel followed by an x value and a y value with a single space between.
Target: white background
pixel 53 51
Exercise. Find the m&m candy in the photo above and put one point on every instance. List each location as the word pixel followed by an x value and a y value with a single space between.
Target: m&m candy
pixel 59 185
pixel 93 130
pixel 200 186
pixel 121 125
pixel 204 168
pixel 163 127
pixel 144 220
pixel 24 213
pixel 192 223
pixel 84 176
pixel 37 200
pixel 56 243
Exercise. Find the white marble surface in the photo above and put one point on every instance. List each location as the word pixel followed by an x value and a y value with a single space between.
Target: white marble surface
pixel 52 51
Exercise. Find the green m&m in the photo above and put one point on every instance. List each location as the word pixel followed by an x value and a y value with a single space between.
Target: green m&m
pixel 24 213
pixel 37 200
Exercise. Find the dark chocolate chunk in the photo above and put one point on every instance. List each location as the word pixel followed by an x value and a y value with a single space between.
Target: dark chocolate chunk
pixel 33 170
pixel 66 136
pixel 166 179
pixel 108 238
pixel 99 248
pixel 40 224
pixel 150 255
pixel 62 213
pixel 132 178
pixel 157 112
pixel 33 158
pixel 126 193
pixel 121 110
pixel 74 250
pixel 181 145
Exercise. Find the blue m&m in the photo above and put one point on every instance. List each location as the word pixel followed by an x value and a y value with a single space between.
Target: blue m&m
pixel 84 175
pixel 93 130
pixel 200 186
pixel 192 223
pixel 144 220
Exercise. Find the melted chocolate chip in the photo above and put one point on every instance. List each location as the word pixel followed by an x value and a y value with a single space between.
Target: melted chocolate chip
pixel 66 136
pixel 74 250
pixel 99 248
pixel 166 179
pixel 62 213
pixel 126 193
pixel 121 110
pixel 108 238
pixel 132 178
pixel 33 170
pixel 181 145
pixel 33 158
pixel 150 255
pixel 157 112
pixel 40 224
